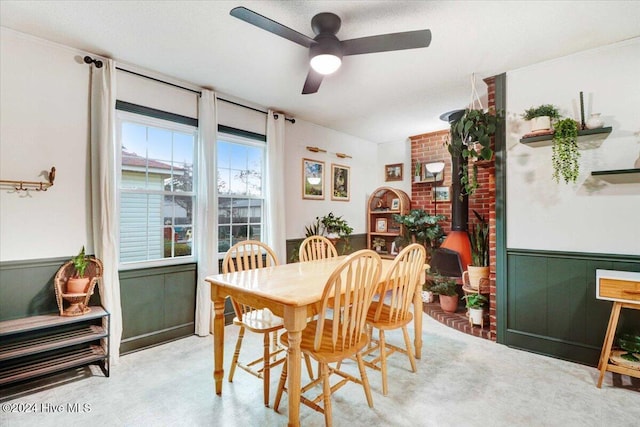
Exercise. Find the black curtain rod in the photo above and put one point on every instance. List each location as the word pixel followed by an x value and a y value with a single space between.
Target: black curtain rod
pixel 98 64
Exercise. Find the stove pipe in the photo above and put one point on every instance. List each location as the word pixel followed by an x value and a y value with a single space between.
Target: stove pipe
pixel 458 239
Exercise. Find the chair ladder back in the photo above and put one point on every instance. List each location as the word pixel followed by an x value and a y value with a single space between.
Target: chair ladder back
pixel 354 281
pixel 400 283
pixel 316 247
pixel 247 255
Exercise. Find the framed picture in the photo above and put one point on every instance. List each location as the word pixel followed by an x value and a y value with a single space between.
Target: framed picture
pixel 340 182
pixel 381 225
pixel 442 194
pixel 429 177
pixel 393 172
pixel 312 179
pixel 395 204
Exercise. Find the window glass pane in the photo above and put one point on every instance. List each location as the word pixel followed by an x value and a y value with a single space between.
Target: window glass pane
pixel 159 144
pixel 156 160
pixel 238 157
pixel 255 212
pixel 240 211
pixel 224 210
pixel 223 180
pixel 254 232
pixel 240 232
pixel 224 238
pixel 238 183
pixel 224 155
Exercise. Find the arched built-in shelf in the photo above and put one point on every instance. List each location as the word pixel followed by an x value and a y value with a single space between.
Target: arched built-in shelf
pixel 594 136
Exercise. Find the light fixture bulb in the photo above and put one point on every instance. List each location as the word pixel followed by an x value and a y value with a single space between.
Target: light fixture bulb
pixel 325 63
pixel 435 168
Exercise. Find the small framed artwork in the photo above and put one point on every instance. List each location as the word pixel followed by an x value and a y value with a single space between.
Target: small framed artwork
pixel 340 182
pixel 395 204
pixel 442 194
pixel 312 179
pixel 393 172
pixel 381 225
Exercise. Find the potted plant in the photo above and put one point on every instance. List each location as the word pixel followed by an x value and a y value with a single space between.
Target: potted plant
pixel 335 228
pixel 379 243
pixel 471 138
pixel 479 240
pixel 475 304
pixel 565 151
pixel 417 172
pixel 419 227
pixel 77 284
pixel 447 291
pixel 540 117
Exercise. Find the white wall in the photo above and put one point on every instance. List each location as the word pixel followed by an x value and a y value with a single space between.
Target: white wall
pixel 590 215
pixel 44 120
pixel 396 152
pixel 365 176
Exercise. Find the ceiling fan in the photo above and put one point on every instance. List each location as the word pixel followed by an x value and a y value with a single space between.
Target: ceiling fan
pixel 326 50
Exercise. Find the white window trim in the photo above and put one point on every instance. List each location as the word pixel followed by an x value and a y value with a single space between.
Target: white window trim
pixel 124 116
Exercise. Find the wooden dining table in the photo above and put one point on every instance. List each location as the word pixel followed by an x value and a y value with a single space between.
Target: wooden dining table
pixel 293 292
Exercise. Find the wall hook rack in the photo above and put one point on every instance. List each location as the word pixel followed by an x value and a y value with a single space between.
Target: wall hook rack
pixel 31 185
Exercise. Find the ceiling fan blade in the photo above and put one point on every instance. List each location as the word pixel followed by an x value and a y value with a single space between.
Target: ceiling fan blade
pixel 387 42
pixel 270 25
pixel 312 83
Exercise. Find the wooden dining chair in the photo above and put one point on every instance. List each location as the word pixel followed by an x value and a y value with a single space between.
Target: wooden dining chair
pixel 392 310
pixel 316 247
pixel 339 330
pixel 250 255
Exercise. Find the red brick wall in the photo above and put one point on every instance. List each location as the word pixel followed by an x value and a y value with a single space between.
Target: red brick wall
pixel 431 147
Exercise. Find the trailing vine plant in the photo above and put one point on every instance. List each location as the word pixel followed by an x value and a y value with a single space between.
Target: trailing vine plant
pixel 565 151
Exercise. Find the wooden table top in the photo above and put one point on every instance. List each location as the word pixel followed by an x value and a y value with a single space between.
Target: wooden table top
pixel 298 284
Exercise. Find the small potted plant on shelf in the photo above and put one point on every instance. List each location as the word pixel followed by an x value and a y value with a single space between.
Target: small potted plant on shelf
pixel 77 284
pixel 475 304
pixel 540 117
pixel 417 172
pixel 565 151
pixel 479 240
pixel 447 291
pixel 379 244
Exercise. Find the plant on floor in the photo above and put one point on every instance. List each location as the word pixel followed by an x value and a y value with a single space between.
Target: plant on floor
pixel 631 344
pixel 475 301
pixel 420 227
pixel 441 285
pixel 565 151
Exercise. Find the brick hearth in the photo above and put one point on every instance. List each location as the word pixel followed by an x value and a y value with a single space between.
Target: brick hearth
pixel 458 320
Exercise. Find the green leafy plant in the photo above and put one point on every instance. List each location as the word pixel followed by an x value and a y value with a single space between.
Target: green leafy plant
pixel 313 229
pixel 540 111
pixel 331 224
pixel 471 137
pixel 441 285
pixel 631 344
pixel 420 225
pixel 80 263
pixel 417 169
pixel 474 300
pixel 479 239
pixel 565 151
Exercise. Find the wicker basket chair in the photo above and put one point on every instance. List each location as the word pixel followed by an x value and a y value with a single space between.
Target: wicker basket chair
pixel 93 272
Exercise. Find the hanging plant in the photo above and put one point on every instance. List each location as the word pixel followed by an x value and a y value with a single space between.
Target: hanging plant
pixel 565 151
pixel 471 137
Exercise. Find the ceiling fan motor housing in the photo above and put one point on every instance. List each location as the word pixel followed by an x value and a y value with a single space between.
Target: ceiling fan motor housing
pixel 326 44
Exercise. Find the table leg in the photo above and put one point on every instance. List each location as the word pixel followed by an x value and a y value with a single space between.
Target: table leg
pixel 608 341
pixel 295 320
pixel 417 321
pixel 218 343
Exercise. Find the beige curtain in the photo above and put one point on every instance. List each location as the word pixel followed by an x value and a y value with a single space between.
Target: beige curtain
pixel 104 195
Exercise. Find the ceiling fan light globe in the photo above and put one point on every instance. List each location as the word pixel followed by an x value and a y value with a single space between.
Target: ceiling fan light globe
pixel 325 63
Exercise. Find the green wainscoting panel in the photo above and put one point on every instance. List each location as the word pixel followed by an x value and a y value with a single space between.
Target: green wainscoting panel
pixel 356 242
pixel 158 305
pixel 551 304
pixel 26 288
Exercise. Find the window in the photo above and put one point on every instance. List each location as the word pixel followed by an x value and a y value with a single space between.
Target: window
pixel 157 198
pixel 240 190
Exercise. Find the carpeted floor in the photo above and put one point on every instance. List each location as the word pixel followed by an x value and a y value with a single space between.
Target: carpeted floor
pixel 461 381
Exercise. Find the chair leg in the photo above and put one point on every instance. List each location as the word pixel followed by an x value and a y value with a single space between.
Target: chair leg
pixel 236 353
pixel 307 361
pixel 365 380
pixel 407 343
pixel 281 384
pixel 266 371
pixel 274 345
pixel 383 362
pixel 326 393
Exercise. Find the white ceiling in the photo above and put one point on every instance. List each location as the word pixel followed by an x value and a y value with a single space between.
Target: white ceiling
pixel 380 97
